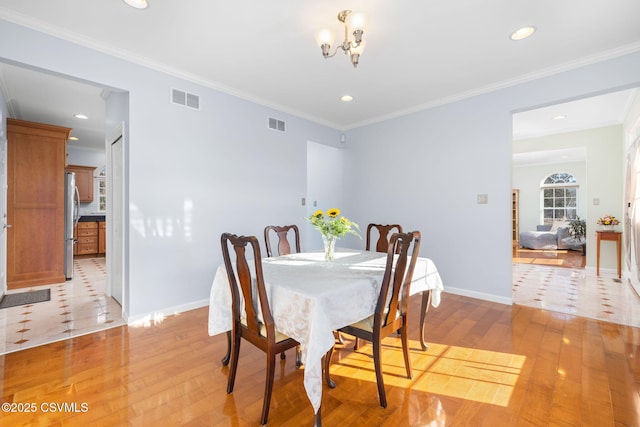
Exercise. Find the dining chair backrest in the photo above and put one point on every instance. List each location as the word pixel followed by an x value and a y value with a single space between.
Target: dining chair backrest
pixel 390 315
pixel 250 306
pixel 252 318
pixel 384 231
pixel 282 233
pixel 402 254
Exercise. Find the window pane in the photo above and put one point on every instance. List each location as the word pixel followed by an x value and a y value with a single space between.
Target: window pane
pixel 558 192
pixel 571 214
pixel 548 203
pixel 558 213
pixel 548 215
pixel 570 203
pixel 548 192
pixel 571 192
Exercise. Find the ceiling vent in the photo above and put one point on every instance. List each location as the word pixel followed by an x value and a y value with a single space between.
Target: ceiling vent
pixel 186 99
pixel 276 124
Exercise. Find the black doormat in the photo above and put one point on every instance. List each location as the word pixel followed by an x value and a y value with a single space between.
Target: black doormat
pixel 24 298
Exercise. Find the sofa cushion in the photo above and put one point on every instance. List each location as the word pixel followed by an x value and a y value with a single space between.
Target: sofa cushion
pixel 543 227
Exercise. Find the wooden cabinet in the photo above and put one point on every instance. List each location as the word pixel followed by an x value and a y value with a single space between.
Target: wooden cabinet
pixel 86 238
pixel 84 181
pixel 90 238
pixel 36 157
pixel 102 238
pixel 515 228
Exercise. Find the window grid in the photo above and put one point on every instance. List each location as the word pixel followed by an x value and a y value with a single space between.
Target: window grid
pixel 559 198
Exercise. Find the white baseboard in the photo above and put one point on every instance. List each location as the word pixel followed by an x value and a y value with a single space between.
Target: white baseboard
pixel 479 295
pixel 158 316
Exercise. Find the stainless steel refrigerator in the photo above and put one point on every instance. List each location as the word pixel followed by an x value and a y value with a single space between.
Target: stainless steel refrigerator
pixel 71 216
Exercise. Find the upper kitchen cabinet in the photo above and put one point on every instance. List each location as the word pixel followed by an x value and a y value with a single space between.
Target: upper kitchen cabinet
pixel 36 157
pixel 84 181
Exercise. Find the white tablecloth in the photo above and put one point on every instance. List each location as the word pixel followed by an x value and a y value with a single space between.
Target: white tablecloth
pixel 310 298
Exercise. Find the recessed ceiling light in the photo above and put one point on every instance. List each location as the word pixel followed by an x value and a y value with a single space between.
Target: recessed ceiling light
pixel 138 4
pixel 74 138
pixel 559 117
pixel 522 33
pixel 81 116
pixel 346 98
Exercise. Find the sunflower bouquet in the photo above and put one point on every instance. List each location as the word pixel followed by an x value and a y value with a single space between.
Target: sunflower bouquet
pixel 332 224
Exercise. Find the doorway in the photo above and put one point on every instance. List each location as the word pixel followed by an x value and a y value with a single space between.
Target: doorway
pixel 69 96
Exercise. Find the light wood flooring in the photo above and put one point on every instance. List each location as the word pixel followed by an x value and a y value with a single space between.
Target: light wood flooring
pixel 553 258
pixel 488 364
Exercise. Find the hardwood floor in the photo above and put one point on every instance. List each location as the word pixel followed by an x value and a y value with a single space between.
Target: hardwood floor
pixel 555 258
pixel 488 364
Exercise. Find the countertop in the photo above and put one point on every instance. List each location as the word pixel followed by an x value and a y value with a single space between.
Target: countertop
pixel 91 218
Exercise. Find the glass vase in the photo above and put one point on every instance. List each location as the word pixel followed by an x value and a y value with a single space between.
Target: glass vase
pixel 329 247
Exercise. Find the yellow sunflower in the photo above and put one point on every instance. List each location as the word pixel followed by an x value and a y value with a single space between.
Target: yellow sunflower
pixel 333 212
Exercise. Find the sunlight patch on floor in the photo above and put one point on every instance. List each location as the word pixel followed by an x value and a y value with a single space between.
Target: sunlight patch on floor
pixel 461 372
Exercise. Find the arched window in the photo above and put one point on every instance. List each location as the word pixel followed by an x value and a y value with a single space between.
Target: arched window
pixel 559 199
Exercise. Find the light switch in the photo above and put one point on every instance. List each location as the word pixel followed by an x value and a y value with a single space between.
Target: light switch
pixel 304 201
pixel 596 202
pixel 483 199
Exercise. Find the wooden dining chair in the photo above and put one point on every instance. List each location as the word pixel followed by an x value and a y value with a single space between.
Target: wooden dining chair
pixel 252 319
pixel 282 233
pixel 384 231
pixel 392 306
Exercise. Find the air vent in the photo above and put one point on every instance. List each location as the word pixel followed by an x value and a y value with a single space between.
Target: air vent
pixel 186 99
pixel 276 124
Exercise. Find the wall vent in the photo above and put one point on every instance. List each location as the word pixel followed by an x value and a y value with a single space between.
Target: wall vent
pixel 186 99
pixel 276 124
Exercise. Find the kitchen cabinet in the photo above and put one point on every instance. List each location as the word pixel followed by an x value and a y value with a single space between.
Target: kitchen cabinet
pixel 86 238
pixel 90 238
pixel 36 157
pixel 102 238
pixel 84 181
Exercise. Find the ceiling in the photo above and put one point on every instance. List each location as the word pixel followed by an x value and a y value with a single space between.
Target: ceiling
pixel 418 54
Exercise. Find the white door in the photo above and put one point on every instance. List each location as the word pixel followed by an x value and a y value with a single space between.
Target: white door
pixel 324 183
pixel 115 221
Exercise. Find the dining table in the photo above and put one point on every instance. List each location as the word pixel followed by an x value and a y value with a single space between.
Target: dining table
pixel 310 298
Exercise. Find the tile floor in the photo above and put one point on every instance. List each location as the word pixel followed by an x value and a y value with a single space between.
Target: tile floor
pixel 576 291
pixel 77 307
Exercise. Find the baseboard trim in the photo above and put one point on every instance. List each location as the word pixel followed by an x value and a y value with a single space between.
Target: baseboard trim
pixel 158 316
pixel 479 295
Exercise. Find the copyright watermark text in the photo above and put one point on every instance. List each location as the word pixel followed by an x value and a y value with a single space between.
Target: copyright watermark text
pixel 47 407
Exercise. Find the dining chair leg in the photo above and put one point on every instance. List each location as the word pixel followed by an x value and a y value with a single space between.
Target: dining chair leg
pixel 225 359
pixel 327 364
pixel 298 357
pixel 405 348
pixel 426 301
pixel 268 387
pixel 235 352
pixel 378 365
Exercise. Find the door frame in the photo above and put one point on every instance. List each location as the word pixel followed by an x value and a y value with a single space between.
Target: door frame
pixel 115 256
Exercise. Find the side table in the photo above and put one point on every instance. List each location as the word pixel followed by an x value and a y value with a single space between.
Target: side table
pixel 614 236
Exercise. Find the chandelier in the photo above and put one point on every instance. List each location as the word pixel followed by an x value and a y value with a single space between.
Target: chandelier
pixel 351 20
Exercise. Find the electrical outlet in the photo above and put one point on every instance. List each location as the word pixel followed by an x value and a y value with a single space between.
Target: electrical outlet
pixel 304 201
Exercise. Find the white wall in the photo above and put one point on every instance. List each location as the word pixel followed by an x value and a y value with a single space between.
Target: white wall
pixel 440 159
pixel 195 174
pixel 191 175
